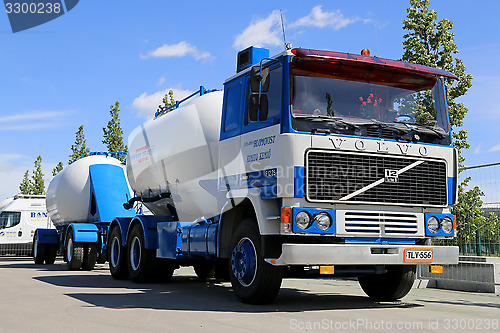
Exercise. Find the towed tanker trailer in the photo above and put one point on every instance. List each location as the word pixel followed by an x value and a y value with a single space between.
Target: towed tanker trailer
pixel 308 162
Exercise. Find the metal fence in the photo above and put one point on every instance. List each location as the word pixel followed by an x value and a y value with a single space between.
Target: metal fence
pixel 16 250
pixel 484 240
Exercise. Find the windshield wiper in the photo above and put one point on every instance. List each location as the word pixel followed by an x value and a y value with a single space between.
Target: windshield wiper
pixel 417 125
pixel 336 120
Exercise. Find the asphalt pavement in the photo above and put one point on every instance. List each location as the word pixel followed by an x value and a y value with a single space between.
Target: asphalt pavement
pixel 49 298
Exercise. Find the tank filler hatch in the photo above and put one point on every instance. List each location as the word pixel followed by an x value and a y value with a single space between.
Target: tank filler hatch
pixel 250 56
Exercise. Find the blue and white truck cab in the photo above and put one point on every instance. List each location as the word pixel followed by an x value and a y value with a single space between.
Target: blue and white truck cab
pixel 346 160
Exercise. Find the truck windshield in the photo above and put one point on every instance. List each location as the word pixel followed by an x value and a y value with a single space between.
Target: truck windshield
pixel 9 219
pixel 368 102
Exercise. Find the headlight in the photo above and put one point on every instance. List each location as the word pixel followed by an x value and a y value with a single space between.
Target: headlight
pixel 323 221
pixel 446 224
pixel 303 220
pixel 433 224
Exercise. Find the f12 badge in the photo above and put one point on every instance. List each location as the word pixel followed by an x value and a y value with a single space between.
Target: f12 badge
pixel 391 176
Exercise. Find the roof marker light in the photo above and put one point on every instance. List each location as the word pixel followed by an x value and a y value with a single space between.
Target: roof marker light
pixel 365 52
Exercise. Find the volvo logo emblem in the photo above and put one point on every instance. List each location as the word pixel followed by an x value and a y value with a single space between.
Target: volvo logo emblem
pixel 391 176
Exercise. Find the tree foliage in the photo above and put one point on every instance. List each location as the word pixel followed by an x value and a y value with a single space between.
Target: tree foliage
pixel 34 185
pixel 25 186
pixel 430 42
pixel 113 133
pixel 58 168
pixel 38 185
pixel 168 100
pixel 79 149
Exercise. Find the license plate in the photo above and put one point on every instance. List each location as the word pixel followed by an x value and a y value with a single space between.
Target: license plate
pixel 419 255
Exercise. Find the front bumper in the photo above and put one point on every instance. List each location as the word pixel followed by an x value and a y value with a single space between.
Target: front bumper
pixel 360 254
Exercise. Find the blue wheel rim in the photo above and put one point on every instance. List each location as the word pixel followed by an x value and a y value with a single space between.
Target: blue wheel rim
pixel 244 262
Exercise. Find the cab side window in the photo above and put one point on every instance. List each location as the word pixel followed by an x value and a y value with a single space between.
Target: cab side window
pixel 233 107
pixel 9 219
pixel 274 94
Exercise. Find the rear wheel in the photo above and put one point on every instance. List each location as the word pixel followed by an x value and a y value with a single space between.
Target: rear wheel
pixel 39 251
pixel 396 283
pixel 89 257
pixel 51 254
pixel 141 261
pixel 74 253
pixel 254 281
pixel 117 255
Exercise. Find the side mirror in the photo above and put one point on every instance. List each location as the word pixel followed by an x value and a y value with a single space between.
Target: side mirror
pixel 256 77
pixel 253 107
pixel 258 112
pixel 264 107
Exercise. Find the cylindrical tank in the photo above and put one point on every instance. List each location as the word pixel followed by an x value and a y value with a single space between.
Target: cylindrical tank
pixel 178 152
pixel 68 194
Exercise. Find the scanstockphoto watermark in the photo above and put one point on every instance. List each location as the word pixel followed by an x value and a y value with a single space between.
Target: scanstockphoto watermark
pixel 26 14
pixel 360 324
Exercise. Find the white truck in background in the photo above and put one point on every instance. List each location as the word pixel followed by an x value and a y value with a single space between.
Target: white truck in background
pixel 20 216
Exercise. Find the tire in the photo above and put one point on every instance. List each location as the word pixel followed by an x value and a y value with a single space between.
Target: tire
pixel 74 252
pixel 254 281
pixel 140 261
pixel 39 251
pixel 205 270
pixel 101 258
pixel 89 257
pixel 51 254
pixel 396 283
pixel 117 255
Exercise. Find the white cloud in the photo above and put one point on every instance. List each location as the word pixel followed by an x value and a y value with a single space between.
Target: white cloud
pixel 36 120
pixel 146 104
pixel 495 148
pixel 36 115
pixel 322 19
pixel 178 50
pixel 261 32
pixel 161 81
pixel 477 150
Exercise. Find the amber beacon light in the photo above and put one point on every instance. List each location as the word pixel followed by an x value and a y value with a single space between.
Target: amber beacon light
pixel 365 52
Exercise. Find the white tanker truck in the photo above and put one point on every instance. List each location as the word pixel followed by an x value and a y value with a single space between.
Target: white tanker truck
pixel 309 161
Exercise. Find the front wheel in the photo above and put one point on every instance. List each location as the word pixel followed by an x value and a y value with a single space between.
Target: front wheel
pixel 396 283
pixel 254 281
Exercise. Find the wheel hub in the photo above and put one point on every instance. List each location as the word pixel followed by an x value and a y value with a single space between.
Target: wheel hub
pixel 244 262
pixel 135 253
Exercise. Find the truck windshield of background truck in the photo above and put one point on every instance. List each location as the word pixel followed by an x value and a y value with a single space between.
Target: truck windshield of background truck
pixel 363 101
pixel 9 219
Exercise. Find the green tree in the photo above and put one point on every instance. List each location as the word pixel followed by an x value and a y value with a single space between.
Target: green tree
pixel 37 183
pixel 113 133
pixel 168 100
pixel 79 149
pixel 430 42
pixel 58 168
pixel 25 186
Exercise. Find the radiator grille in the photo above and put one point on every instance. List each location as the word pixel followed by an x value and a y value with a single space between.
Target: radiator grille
pixel 331 176
pixel 380 224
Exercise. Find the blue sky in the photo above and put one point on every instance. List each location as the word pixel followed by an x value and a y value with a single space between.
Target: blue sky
pixel 68 72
